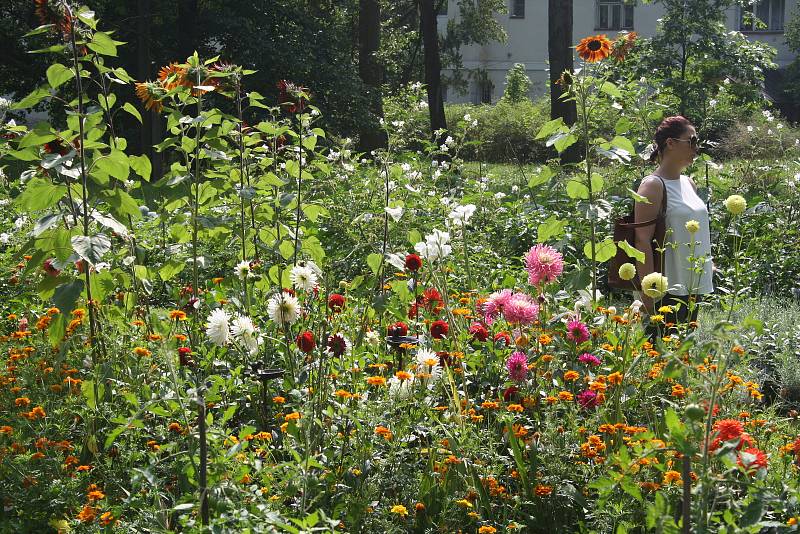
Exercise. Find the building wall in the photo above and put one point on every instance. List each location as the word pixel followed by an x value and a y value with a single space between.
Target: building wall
pixel 527 42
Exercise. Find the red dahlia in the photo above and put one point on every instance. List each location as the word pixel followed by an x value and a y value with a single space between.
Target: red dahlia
pixel 336 302
pixel 397 329
pixel 439 329
pixel 479 332
pixel 306 342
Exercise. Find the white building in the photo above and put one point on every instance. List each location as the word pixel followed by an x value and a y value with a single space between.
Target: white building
pixel 526 27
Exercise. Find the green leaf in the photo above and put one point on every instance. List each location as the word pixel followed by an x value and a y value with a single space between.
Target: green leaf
pixel 103 44
pixel 35 96
pixel 67 295
pixel 123 204
pixel 58 74
pixel 36 137
pixel 603 251
pixel 87 392
pixel 141 166
pixel 312 247
pixel 631 251
pixel 611 89
pixel 40 194
pixel 623 125
pixel 171 269
pixel 551 228
pixel 115 164
pixel 91 248
pixel 130 108
pixel 597 183
pixel 286 248
pixel 543 177
pixel 639 198
pixel 374 262
pixel 550 127
pixel 623 143
pixel 110 222
pixel 561 141
pixel 314 211
pixel 577 189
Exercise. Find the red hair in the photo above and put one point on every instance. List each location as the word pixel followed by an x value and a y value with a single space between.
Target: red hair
pixel 670 128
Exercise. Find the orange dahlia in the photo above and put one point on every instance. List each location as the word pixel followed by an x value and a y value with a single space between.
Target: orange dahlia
pixel 594 48
pixel 55 13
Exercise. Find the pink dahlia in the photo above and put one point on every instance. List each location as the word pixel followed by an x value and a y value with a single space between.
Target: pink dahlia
pixel 517 365
pixel 520 309
pixel 544 264
pixel 494 304
pixel 588 399
pixel 589 359
pixel 577 332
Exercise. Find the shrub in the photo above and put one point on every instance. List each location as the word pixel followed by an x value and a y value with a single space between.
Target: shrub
pixel 760 135
pixel 506 130
pixel 517 84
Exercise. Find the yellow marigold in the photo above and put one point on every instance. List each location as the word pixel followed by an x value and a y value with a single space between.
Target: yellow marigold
pixel 96 495
pixel 546 358
pixel 217 280
pixel 464 503
pixel 400 510
pixel 615 378
pixel 22 401
pixel 106 518
pixel 384 432
pixel 678 391
pixel 514 408
pixel 403 375
pixel 87 514
pixel 294 416
pixel 543 491
pixel 343 394
pixel 571 376
pixel 279 400
pixel 376 381
pixel 550 399
pixel 177 315
pixel 565 396
pixel 490 405
pixel 155 337
pixel 672 476
pixel 486 529
pixel 141 351
pixel 545 339
pixel 462 311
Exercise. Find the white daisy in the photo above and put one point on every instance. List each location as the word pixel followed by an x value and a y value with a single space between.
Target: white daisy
pixel 429 371
pixel 372 338
pixel 283 309
pixel 243 269
pixel 303 277
pixel 217 327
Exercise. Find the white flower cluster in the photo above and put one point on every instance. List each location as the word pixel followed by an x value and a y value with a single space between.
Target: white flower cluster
pixel 461 214
pixel 435 247
pixel 221 330
pixel 305 277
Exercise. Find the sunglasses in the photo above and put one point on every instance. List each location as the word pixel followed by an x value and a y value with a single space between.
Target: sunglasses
pixel 693 141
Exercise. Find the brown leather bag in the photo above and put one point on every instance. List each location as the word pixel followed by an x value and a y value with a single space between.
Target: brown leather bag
pixel 625 230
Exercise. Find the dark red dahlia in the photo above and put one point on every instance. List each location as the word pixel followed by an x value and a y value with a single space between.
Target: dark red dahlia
pixel 337 345
pixel 185 356
pixel 439 329
pixel 306 342
pixel 50 269
pixel 510 393
pixel 413 263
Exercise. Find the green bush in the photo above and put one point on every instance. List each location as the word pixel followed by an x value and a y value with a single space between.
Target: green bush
pixel 759 136
pixel 505 131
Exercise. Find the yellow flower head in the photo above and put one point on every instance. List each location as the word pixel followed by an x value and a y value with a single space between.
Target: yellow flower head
pixel 627 271
pixel 736 204
pixel 654 285
pixel 692 226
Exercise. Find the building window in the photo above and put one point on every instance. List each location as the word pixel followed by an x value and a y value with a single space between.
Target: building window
pixel 486 89
pixel 517 9
pixel 763 16
pixel 614 15
pixel 442 8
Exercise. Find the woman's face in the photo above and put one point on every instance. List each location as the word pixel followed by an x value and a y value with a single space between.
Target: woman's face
pixel 683 149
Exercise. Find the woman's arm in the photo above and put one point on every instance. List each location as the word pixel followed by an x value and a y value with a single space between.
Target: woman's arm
pixel 654 191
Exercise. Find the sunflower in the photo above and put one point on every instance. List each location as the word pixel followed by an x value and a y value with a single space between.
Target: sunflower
pixel 151 93
pixel 171 76
pixel 594 48
pixel 55 13
pixel 623 45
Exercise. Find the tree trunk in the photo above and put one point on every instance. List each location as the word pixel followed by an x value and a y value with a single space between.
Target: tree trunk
pixel 433 65
pixel 559 43
pixel 371 73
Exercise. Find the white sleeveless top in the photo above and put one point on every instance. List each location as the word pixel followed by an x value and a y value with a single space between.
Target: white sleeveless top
pixel 684 205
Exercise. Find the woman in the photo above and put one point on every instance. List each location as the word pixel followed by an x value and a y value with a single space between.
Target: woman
pixel 689 272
